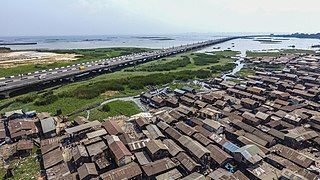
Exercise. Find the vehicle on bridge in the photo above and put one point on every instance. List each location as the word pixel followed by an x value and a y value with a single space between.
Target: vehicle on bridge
pixel 82 67
pixel 42 77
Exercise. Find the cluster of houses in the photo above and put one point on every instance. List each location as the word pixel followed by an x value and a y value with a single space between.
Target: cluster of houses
pixel 18 128
pixel 266 127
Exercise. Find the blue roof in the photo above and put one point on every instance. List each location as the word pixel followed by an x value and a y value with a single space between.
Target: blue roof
pixel 230 146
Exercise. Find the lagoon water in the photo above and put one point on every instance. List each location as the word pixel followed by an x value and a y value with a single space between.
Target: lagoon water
pixel 154 41
pixel 86 42
pixel 244 45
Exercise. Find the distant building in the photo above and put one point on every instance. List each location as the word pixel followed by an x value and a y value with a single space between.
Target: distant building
pixel 4 49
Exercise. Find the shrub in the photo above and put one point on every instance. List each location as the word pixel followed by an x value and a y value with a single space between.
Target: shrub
pixel 45 100
pixel 225 68
pixel 106 108
pixel 206 59
pixel 27 98
pixel 93 90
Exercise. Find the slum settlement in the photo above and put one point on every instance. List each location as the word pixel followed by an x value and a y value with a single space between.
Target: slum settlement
pixel 266 127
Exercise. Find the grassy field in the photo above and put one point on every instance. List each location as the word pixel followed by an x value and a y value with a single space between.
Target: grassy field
pixel 272 67
pixel 163 65
pixel 234 80
pixel 84 55
pixel 181 85
pixel 79 95
pixel 215 59
pixel 245 72
pixel 25 168
pixel 127 108
pixel 275 54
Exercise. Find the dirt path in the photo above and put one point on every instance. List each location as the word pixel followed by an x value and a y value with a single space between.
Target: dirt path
pixel 130 98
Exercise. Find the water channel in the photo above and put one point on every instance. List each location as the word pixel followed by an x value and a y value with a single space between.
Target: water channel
pixel 244 45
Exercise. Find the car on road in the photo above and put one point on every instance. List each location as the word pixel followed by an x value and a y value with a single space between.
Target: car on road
pixel 42 77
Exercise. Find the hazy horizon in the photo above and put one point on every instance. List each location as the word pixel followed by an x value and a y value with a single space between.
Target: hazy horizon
pixel 213 34
pixel 155 17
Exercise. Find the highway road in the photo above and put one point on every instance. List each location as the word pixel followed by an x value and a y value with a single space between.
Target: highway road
pixel 39 77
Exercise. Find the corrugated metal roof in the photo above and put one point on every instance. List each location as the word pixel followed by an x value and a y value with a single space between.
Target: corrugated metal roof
pixel 230 146
pixel 174 149
pixel 196 148
pixel 158 166
pixel 48 125
pixel 187 162
pixel 170 175
pixel 251 152
pixel 155 145
pixel 194 176
pixel 217 154
pixel 128 171
pixel 143 158
pixel 87 169
pixel 186 129
pixel 97 133
pixel 83 127
pixel 154 131
pixel 119 150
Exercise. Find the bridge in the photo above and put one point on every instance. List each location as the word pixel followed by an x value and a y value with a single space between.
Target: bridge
pixel 30 81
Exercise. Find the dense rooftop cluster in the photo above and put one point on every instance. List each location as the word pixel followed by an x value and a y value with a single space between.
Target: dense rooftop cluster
pixel 266 127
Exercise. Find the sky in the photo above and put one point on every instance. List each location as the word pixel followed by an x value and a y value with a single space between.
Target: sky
pixel 117 17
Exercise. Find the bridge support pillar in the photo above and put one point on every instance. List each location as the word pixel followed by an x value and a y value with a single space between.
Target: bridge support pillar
pixel 72 79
